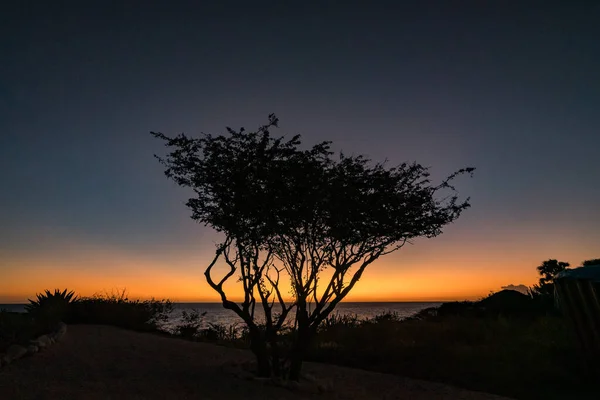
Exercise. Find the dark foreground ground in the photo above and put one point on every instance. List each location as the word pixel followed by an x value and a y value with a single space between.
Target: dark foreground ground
pixel 102 362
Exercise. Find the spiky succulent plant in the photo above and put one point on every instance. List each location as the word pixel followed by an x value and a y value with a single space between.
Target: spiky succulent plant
pixel 51 307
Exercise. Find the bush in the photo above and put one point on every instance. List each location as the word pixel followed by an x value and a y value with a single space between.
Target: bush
pixel 18 328
pixel 220 333
pixel 516 357
pixel 506 303
pixel 192 322
pixel 191 328
pixel 337 321
pixel 50 308
pixel 118 310
pixel 460 308
pixel 509 303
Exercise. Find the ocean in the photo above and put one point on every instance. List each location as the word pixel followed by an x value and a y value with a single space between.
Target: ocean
pixel 215 313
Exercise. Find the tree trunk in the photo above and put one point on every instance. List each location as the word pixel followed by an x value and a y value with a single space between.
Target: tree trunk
pixel 298 353
pixel 275 357
pixel 258 345
pixel 301 343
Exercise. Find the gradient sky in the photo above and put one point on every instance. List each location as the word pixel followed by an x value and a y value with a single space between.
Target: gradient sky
pixel 509 88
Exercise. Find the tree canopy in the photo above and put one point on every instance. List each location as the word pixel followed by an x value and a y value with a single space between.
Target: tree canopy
pixel 549 269
pixel 587 263
pixel 287 209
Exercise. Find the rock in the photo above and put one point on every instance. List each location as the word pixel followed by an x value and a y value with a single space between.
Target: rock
pixel 294 385
pixel 305 387
pixel 62 328
pixel 243 374
pixel 277 382
pixel 32 349
pixel 60 332
pixel 42 342
pixel 15 352
pixel 325 387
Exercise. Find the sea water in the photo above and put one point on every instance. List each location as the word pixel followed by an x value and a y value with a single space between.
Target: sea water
pixel 216 314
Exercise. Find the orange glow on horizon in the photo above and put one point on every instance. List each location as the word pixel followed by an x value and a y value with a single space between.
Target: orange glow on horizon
pixel 143 280
pixel 432 270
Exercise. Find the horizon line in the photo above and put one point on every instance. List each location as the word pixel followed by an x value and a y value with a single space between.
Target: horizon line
pixel 218 302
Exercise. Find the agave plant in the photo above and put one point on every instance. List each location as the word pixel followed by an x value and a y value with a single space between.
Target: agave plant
pixel 49 298
pixel 51 307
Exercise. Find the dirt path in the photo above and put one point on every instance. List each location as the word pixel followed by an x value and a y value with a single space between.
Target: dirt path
pixel 100 362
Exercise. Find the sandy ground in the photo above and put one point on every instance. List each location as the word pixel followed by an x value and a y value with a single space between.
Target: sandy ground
pixel 102 362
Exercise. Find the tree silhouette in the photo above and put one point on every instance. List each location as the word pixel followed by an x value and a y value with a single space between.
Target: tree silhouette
pixel 548 271
pixel 302 215
pixel 587 263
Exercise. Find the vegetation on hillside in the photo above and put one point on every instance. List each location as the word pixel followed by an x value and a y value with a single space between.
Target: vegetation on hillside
pixel 516 357
pixel 48 308
pixel 19 328
pixel 118 310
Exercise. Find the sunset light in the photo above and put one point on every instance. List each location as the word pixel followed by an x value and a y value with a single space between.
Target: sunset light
pixel 353 200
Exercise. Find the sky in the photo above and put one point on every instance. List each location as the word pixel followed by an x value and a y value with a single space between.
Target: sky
pixel 509 88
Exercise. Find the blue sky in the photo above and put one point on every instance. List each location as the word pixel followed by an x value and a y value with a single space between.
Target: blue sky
pixel 508 88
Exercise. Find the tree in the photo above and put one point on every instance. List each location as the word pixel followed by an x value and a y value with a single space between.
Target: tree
pixel 548 271
pixel 301 215
pixel 587 263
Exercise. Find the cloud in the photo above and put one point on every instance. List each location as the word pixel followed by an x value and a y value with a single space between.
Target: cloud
pixel 519 288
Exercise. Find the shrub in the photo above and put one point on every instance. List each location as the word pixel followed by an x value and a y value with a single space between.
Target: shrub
pixel 508 303
pixel 459 308
pixel 220 333
pixel 18 328
pixel 385 317
pixel 118 310
pixel 587 263
pixel 336 321
pixel 518 357
pixel 192 322
pixel 50 308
